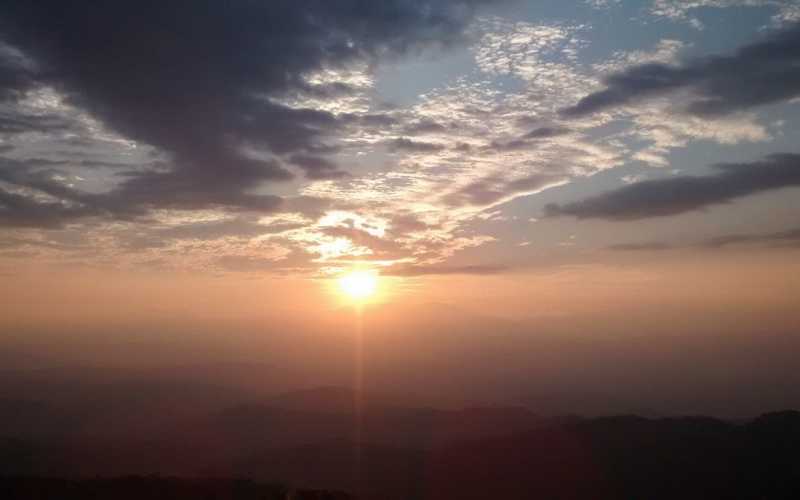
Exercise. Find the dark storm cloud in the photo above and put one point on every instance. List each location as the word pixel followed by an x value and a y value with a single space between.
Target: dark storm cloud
pixel 413 270
pixel 677 195
pixel 761 73
pixel 198 80
pixel 494 188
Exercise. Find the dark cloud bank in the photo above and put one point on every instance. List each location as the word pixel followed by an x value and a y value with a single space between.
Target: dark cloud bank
pixel 764 72
pixel 681 194
pixel 198 81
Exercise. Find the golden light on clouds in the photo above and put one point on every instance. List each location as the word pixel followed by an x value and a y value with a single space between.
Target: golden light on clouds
pixel 359 285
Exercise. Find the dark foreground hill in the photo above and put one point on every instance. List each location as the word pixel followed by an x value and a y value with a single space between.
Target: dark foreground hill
pixel 154 488
pixel 386 450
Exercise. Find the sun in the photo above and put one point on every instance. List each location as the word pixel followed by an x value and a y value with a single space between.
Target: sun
pixel 359 285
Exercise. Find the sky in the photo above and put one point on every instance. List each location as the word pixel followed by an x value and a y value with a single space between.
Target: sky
pixel 588 168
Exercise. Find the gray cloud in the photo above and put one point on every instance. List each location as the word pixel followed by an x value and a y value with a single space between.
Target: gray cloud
pixel 546 132
pixel 317 167
pixel 17 210
pixel 422 127
pixel 376 120
pixel 761 73
pixel 528 140
pixel 406 144
pixel 788 238
pixel 781 238
pixel 512 145
pixel 675 195
pixel 201 82
pixel 19 123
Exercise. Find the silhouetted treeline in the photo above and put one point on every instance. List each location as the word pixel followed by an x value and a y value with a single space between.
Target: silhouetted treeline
pixel 154 488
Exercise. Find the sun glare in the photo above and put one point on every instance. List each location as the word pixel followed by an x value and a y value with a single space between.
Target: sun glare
pixel 359 285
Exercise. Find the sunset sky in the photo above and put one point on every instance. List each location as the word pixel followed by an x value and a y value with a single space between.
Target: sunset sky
pixel 620 173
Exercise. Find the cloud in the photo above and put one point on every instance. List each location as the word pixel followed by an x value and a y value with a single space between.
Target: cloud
pixel 241 228
pixel 414 270
pixel 446 189
pixel 317 168
pixel 377 245
pixel 17 210
pixel 781 238
pixel 492 189
pixel 423 127
pixel 643 247
pixel 21 123
pixel 546 132
pixel 246 263
pixel 202 83
pixel 529 139
pixel 190 116
pixel 761 73
pixel 406 144
pixel 675 195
